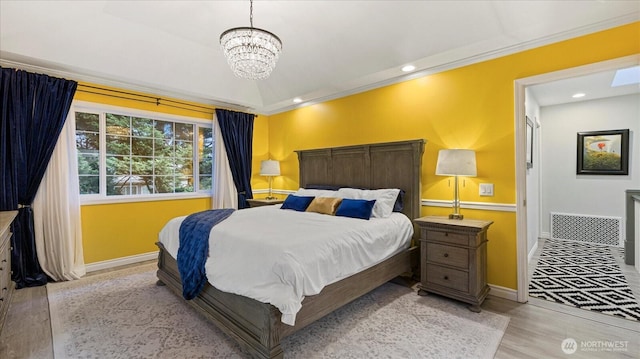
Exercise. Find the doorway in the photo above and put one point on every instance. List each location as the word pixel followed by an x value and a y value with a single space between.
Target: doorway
pixel 529 196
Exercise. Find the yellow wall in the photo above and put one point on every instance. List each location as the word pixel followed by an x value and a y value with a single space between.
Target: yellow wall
pixel 116 230
pixel 111 231
pixel 469 107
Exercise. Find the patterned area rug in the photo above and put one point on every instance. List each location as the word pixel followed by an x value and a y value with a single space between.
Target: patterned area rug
pixel 584 276
pixel 123 314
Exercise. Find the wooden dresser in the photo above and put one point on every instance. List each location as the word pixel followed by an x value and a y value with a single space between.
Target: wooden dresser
pixel 453 259
pixel 6 285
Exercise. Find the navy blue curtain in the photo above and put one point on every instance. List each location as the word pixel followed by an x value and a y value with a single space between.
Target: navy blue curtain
pixel 34 109
pixel 236 129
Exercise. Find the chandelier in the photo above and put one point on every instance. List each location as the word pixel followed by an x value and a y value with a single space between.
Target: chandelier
pixel 252 53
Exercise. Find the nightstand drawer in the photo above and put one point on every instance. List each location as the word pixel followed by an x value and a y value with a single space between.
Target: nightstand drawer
pixel 448 237
pixel 452 256
pixel 447 277
pixel 263 202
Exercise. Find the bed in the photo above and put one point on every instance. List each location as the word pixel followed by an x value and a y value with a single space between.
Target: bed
pixel 257 326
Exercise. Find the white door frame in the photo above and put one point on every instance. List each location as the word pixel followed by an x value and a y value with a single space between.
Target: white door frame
pixel 520 144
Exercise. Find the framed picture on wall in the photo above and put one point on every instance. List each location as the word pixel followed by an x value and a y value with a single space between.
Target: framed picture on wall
pixel 529 142
pixel 603 153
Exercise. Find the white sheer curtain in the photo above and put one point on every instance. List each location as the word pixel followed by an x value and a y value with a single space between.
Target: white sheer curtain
pixel 225 194
pixel 56 211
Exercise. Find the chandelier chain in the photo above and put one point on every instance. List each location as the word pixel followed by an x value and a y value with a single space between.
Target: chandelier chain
pixel 251 13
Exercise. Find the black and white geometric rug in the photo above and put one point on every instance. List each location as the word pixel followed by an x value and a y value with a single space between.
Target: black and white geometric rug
pixel 584 276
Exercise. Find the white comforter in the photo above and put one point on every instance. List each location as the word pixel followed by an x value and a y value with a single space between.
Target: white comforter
pixel 280 256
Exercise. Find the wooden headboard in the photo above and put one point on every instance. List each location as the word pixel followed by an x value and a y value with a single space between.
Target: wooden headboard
pixel 373 166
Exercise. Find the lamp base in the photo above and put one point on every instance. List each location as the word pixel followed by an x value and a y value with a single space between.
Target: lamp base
pixel 456 216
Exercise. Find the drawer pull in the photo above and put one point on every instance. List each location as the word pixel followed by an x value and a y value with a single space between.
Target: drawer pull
pixel 446 277
pixel 446 255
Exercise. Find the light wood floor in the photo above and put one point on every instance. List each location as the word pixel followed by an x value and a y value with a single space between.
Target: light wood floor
pixel 535 331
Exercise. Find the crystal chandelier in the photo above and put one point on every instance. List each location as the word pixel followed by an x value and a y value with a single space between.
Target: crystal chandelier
pixel 252 53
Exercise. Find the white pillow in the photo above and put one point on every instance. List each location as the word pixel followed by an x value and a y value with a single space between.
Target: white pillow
pixel 385 199
pixel 316 193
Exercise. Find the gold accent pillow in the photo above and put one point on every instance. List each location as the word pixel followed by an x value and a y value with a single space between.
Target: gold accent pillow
pixel 324 205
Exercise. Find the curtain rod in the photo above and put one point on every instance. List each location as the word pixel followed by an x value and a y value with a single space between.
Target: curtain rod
pixel 147 99
pixel 143 98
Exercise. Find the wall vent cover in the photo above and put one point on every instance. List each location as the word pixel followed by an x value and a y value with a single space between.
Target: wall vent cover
pixel 587 228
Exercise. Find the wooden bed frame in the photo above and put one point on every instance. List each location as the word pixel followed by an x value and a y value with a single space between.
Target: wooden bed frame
pixel 256 326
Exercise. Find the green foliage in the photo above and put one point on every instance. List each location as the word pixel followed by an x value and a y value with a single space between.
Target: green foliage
pixel 595 160
pixel 143 155
pixel 88 145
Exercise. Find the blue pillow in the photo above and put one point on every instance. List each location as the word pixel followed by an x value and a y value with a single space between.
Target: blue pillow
pixel 355 208
pixel 297 203
pixel 399 205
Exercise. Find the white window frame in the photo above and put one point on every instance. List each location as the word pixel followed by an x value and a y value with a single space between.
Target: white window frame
pixel 101 110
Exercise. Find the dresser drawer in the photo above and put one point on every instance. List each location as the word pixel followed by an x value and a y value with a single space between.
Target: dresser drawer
pixel 452 256
pixel 5 259
pixel 5 274
pixel 448 237
pixel 448 277
pixel 4 289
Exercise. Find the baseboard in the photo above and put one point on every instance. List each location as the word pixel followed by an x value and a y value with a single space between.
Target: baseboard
pixel 532 251
pixel 503 292
pixel 545 235
pixel 112 263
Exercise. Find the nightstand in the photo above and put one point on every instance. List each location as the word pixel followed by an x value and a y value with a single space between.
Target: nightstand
pixel 453 259
pixel 257 202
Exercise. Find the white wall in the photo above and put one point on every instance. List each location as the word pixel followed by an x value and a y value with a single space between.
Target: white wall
pixel 564 191
pixel 532 110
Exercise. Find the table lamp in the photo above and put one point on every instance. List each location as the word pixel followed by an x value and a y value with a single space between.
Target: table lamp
pixel 270 168
pixel 456 162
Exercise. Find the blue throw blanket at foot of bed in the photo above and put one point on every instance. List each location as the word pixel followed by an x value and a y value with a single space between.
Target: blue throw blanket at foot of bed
pixel 194 248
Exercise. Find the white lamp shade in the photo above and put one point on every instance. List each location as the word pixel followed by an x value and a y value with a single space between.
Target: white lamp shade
pixel 269 168
pixel 456 162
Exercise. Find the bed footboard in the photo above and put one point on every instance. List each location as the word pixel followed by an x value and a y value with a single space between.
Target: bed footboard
pixel 254 325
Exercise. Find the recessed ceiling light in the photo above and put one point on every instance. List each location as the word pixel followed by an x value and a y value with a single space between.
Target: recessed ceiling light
pixel 628 76
pixel 297 100
pixel 408 68
pixel 578 95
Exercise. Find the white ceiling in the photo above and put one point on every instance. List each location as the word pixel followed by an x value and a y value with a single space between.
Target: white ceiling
pixel 330 48
pixel 594 86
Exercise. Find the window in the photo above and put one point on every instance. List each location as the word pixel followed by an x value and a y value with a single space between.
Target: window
pixel 123 154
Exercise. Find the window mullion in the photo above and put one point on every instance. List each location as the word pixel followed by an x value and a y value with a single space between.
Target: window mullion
pixel 196 157
pixel 103 154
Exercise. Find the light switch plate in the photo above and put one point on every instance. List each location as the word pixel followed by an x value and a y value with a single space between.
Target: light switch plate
pixel 486 189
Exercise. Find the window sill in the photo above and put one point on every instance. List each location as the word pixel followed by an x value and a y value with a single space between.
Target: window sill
pixel 150 198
